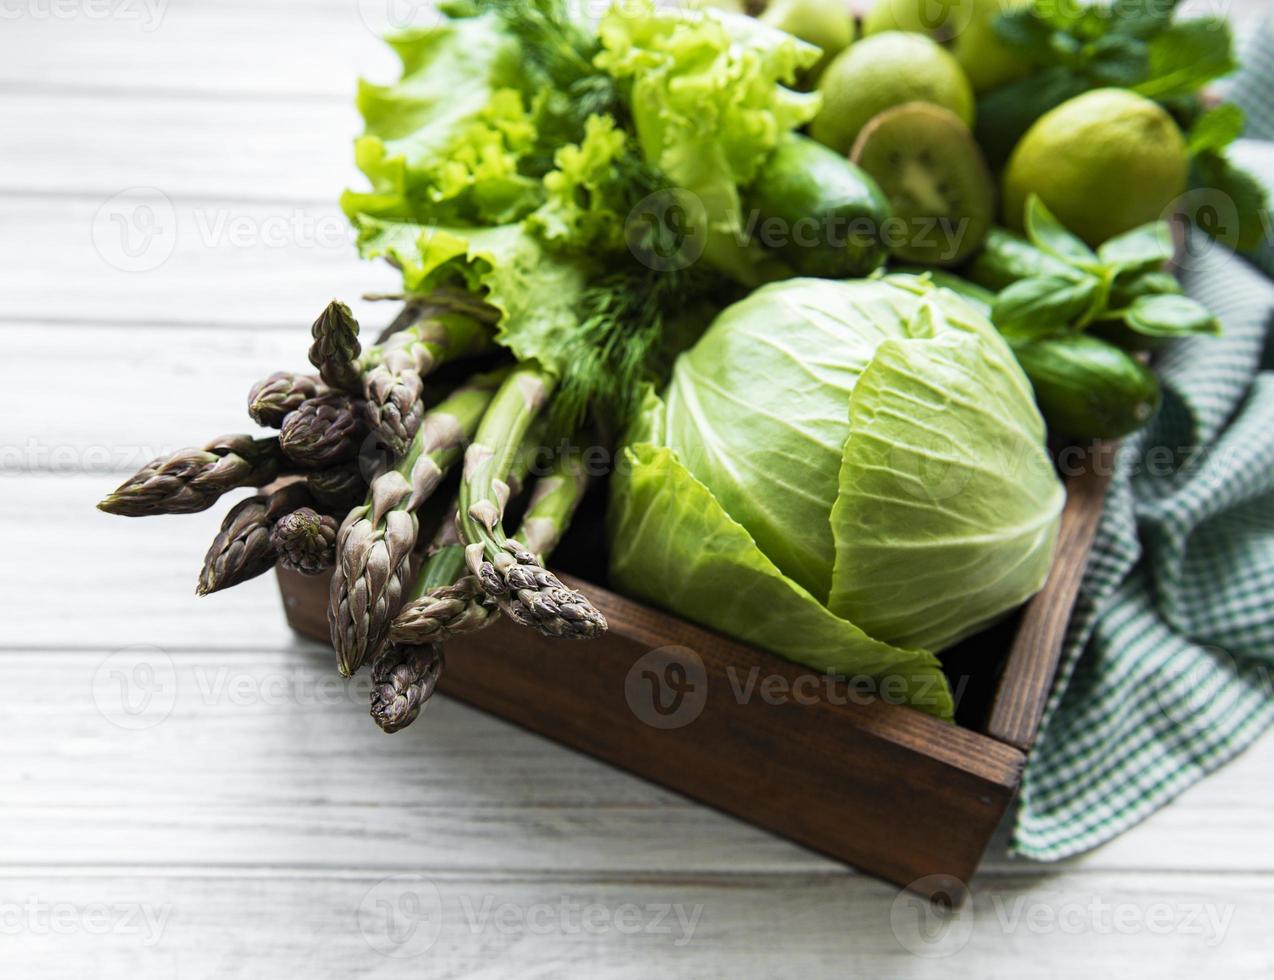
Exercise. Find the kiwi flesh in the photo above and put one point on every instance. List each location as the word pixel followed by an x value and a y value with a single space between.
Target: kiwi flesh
pixel 939 188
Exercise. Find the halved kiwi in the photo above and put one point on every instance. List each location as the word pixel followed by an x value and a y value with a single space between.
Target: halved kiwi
pixel 940 191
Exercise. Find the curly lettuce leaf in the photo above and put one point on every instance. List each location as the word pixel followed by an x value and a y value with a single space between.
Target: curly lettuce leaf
pixel 535 294
pixel 443 144
pixel 709 104
pixel 672 544
pixel 948 506
pixel 583 209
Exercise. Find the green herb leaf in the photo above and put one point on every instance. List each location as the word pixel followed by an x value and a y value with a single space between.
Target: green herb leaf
pixel 1006 113
pixel 1141 249
pixel 1216 129
pixel 1026 32
pixel 1143 19
pixel 1042 306
pixel 1171 316
pixel 1186 56
pixel 1132 285
pixel 1247 195
pixel 1050 235
pixel 1118 60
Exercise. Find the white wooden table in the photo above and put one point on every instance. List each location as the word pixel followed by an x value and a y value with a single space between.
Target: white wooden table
pixel 186 791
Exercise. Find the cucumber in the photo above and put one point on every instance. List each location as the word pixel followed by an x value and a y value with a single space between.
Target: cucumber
pixel 1005 258
pixel 1089 389
pixel 823 215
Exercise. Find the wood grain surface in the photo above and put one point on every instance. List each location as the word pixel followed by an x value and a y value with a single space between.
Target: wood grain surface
pixel 249 820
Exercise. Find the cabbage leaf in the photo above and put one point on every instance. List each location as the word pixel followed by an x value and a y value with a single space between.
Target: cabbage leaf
pixel 948 506
pixel 851 474
pixel 674 545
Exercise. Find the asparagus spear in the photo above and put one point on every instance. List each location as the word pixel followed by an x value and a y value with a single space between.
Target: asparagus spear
pixel 242 549
pixel 338 489
pixel 305 541
pixel 336 350
pixel 324 431
pixel 272 400
pixel 401 685
pixel 452 602
pixel 447 600
pixel 523 589
pixel 554 499
pixel 192 480
pixel 376 541
pixel 394 371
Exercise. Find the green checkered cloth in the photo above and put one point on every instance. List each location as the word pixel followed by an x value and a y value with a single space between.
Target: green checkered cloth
pixel 1168 667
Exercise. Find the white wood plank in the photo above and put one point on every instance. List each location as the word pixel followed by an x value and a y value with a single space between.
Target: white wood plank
pixel 174 260
pixel 261 751
pixel 439 925
pixel 181 388
pixel 276 149
pixel 245 49
pixel 191 49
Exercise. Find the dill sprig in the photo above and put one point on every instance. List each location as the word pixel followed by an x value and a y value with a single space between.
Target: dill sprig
pixel 557 57
pixel 620 342
pixel 623 314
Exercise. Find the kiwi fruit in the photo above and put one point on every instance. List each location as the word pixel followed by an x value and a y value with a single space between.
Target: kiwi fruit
pixel 939 187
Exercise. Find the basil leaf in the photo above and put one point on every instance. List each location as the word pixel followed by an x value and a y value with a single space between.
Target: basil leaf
pixel 1119 61
pixel 1129 287
pixel 1142 249
pixel 1004 114
pixel 1214 172
pixel 1216 129
pixel 1026 34
pixel 1042 305
pixel 1186 56
pixel 1050 235
pixel 1171 316
pixel 1144 19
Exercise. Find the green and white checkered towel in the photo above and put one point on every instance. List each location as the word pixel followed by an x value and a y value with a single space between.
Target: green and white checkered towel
pixel 1168 667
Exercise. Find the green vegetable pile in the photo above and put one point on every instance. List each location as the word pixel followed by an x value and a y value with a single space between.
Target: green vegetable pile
pixel 669 232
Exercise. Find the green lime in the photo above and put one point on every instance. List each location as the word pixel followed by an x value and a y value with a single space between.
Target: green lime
pixel 883 71
pixel 822 24
pixel 1103 162
pixel 966 28
pixel 940 192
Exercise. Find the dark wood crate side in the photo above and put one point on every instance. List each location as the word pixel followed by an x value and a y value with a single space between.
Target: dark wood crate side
pixel 882 787
pixel 1031 665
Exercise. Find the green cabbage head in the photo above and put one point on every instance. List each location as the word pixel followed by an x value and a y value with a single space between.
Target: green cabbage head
pixel 850 474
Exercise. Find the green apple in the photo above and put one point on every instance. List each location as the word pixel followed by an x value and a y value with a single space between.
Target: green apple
pixel 965 27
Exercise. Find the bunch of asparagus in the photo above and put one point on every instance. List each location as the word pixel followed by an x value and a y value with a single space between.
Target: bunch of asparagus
pixel 361 447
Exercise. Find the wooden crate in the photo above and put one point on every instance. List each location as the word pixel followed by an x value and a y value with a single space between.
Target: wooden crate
pixel 879 786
